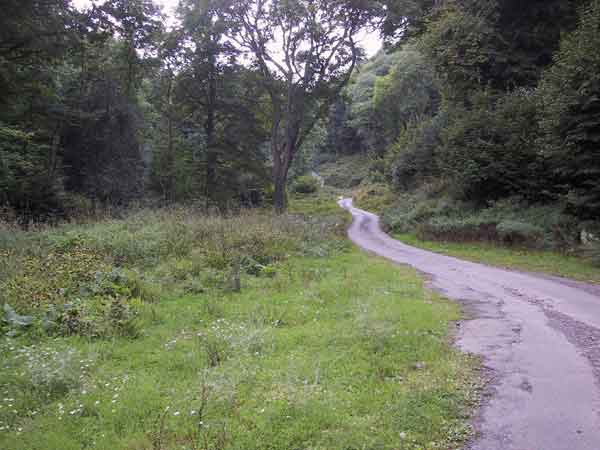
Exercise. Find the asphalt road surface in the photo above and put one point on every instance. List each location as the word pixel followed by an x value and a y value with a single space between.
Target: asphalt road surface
pixel 539 337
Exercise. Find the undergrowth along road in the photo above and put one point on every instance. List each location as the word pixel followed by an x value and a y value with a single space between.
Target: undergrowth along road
pixel 324 347
pixel 542 261
pixel 537 335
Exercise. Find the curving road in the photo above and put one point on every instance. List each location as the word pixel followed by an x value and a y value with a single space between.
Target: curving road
pixel 538 336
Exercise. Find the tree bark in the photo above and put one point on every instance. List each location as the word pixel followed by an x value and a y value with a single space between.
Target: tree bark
pixel 279 194
pixel 283 154
pixel 209 126
pixel 170 190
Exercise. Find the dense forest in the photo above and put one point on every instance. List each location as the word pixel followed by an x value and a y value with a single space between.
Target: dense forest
pixel 471 104
pixel 108 106
pixel 189 257
pixel 481 113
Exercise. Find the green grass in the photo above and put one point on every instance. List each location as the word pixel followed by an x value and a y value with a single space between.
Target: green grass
pixel 547 262
pixel 323 348
pixel 320 204
pixel 342 352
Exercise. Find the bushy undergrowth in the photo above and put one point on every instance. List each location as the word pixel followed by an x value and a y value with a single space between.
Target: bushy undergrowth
pixel 593 253
pixel 305 185
pixel 509 222
pixel 346 172
pixel 342 351
pixel 91 279
pixel 375 197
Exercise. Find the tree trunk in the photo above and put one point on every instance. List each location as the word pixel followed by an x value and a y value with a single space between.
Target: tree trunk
pixel 281 164
pixel 209 127
pixel 279 196
pixel 170 188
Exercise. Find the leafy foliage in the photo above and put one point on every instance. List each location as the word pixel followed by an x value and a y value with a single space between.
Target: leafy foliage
pixel 480 103
pixel 305 185
pixel 490 149
pixel 570 114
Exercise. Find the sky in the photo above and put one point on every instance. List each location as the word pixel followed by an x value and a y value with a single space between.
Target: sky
pixel 371 42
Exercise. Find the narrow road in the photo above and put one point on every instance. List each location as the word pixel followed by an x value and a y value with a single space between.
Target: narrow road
pixel 539 338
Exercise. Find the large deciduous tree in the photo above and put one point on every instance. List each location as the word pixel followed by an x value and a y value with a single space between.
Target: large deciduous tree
pixel 305 51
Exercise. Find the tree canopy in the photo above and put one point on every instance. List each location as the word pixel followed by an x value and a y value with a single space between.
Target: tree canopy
pixel 493 99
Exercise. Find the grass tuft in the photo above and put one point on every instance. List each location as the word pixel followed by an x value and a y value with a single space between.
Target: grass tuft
pixel 323 347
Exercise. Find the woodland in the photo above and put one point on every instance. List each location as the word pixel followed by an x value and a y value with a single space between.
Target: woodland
pixel 175 271
pixel 105 107
pixel 482 121
pixel 479 101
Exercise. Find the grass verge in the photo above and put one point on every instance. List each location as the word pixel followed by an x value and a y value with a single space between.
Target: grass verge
pixel 322 348
pixel 547 262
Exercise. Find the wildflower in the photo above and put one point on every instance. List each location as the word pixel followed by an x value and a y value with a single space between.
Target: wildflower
pixel 176 413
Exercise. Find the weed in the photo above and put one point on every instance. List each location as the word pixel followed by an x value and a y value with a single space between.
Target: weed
pixel 305 185
pixel 284 363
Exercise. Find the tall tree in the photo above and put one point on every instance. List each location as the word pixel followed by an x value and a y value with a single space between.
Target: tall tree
pixel 405 18
pixel 34 41
pixel 208 60
pixel 569 97
pixel 103 145
pixel 138 24
pixel 220 98
pixel 305 51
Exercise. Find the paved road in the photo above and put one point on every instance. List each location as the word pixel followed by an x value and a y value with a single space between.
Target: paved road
pixel 539 337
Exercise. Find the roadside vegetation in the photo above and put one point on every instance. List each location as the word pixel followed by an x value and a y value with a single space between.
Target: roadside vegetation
pixel 479 126
pixel 152 299
pixel 172 329
pixel 531 239
pixel 542 261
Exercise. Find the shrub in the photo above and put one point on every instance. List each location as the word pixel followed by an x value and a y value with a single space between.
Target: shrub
pixel 570 114
pixel 520 234
pixel 347 172
pixel 413 157
pixel 478 228
pixel 374 197
pixel 490 149
pixel 458 230
pixel 593 253
pixel 94 318
pixel 40 280
pixel 305 184
pixel 413 210
pixel 91 279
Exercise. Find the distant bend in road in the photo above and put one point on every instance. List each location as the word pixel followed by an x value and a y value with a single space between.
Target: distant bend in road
pixel 539 335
